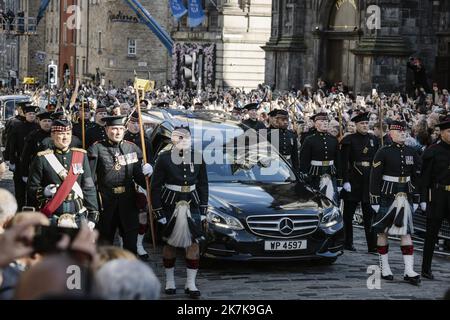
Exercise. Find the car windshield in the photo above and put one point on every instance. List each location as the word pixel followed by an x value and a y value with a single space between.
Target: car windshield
pixel 236 158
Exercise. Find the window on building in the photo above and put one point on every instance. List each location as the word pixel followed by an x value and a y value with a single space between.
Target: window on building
pixel 77 63
pixel 64 33
pixel 131 47
pixel 51 35
pixel 57 36
pixel 99 42
pixel 84 66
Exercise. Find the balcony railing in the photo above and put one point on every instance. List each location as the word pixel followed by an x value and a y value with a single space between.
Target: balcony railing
pixel 18 26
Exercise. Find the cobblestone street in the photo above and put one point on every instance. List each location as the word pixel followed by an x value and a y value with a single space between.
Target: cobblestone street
pixel 345 279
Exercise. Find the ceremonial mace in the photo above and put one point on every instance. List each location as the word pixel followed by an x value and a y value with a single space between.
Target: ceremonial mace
pixel 144 156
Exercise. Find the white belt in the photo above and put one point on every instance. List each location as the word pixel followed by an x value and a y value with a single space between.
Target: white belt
pixel 322 163
pixel 183 189
pixel 396 179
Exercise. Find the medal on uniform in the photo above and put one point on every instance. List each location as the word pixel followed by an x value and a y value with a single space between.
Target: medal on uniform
pixel 365 150
pixel 117 165
pixel 371 143
pixel 192 167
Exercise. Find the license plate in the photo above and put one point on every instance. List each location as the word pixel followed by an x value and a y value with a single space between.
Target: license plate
pixel 285 245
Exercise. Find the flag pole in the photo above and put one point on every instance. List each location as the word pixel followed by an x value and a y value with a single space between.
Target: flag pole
pixel 144 156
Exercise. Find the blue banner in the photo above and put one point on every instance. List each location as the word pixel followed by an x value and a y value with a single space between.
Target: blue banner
pixel 41 12
pixel 178 8
pixel 150 22
pixel 196 14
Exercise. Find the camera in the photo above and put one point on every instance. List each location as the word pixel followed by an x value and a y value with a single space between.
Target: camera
pixel 46 238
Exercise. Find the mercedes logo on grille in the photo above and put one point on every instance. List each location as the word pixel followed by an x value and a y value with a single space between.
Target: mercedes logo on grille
pixel 286 226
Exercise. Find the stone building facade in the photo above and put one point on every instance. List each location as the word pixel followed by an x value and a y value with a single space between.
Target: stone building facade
pixel 238 28
pixel 119 44
pixel 9 48
pixel 32 45
pixel 366 44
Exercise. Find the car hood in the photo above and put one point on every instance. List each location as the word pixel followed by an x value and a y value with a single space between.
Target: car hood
pixel 242 199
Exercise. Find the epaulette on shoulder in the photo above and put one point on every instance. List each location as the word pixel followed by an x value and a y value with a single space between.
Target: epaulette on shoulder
pixel 79 150
pixel 45 152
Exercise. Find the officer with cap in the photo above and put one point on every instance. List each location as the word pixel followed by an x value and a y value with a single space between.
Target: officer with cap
pixel 97 131
pixel 252 121
pixel 33 143
pixel 358 150
pixel 117 167
pixel 16 140
pixel 61 183
pixel 283 139
pixel 319 158
pixel 393 182
pixel 435 192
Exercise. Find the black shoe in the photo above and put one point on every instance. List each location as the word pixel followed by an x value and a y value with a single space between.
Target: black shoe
pixel 389 277
pixel 428 274
pixel 192 294
pixel 171 291
pixel 144 257
pixel 372 251
pixel 413 280
pixel 349 247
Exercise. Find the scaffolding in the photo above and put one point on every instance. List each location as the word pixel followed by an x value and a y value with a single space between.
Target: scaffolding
pixel 18 25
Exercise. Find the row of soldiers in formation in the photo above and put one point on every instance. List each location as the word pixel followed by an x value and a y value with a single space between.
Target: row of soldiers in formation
pixel 104 178
pixel 389 179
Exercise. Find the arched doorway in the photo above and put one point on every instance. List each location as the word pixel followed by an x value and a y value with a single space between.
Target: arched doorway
pixel 341 36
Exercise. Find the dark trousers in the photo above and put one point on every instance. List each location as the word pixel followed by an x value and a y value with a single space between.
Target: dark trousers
pixel 19 189
pixel 108 231
pixel 439 210
pixel 349 211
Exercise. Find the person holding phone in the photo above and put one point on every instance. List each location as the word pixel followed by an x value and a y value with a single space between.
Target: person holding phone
pixel 61 183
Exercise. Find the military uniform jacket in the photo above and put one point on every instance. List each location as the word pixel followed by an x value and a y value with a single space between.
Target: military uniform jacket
pixel 136 139
pixel 187 173
pixel 11 123
pixel 397 161
pixel 94 134
pixel 116 169
pixel 320 147
pixel 287 144
pixel 435 169
pixel 78 132
pixel 357 152
pixel 252 124
pixel 16 139
pixel 42 174
pixel 33 144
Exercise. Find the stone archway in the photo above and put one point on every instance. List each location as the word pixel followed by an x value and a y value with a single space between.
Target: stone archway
pixel 340 21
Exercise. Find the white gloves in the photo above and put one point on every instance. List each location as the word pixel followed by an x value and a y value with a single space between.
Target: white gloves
pixel 376 207
pixel 50 190
pixel 162 221
pixel 91 225
pixel 423 206
pixel 339 189
pixel 415 206
pixel 347 187
pixel 25 179
pixel 147 169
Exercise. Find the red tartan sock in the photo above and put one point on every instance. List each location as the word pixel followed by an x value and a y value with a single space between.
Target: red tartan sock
pixel 192 264
pixel 383 249
pixel 407 250
pixel 142 228
pixel 169 263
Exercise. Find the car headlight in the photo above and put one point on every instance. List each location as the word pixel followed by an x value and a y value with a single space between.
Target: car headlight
pixel 223 220
pixel 331 218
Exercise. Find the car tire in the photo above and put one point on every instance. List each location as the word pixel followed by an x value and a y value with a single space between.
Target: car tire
pixel 325 261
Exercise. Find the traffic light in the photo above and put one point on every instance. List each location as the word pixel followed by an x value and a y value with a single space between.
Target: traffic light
pixel 52 75
pixel 189 63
